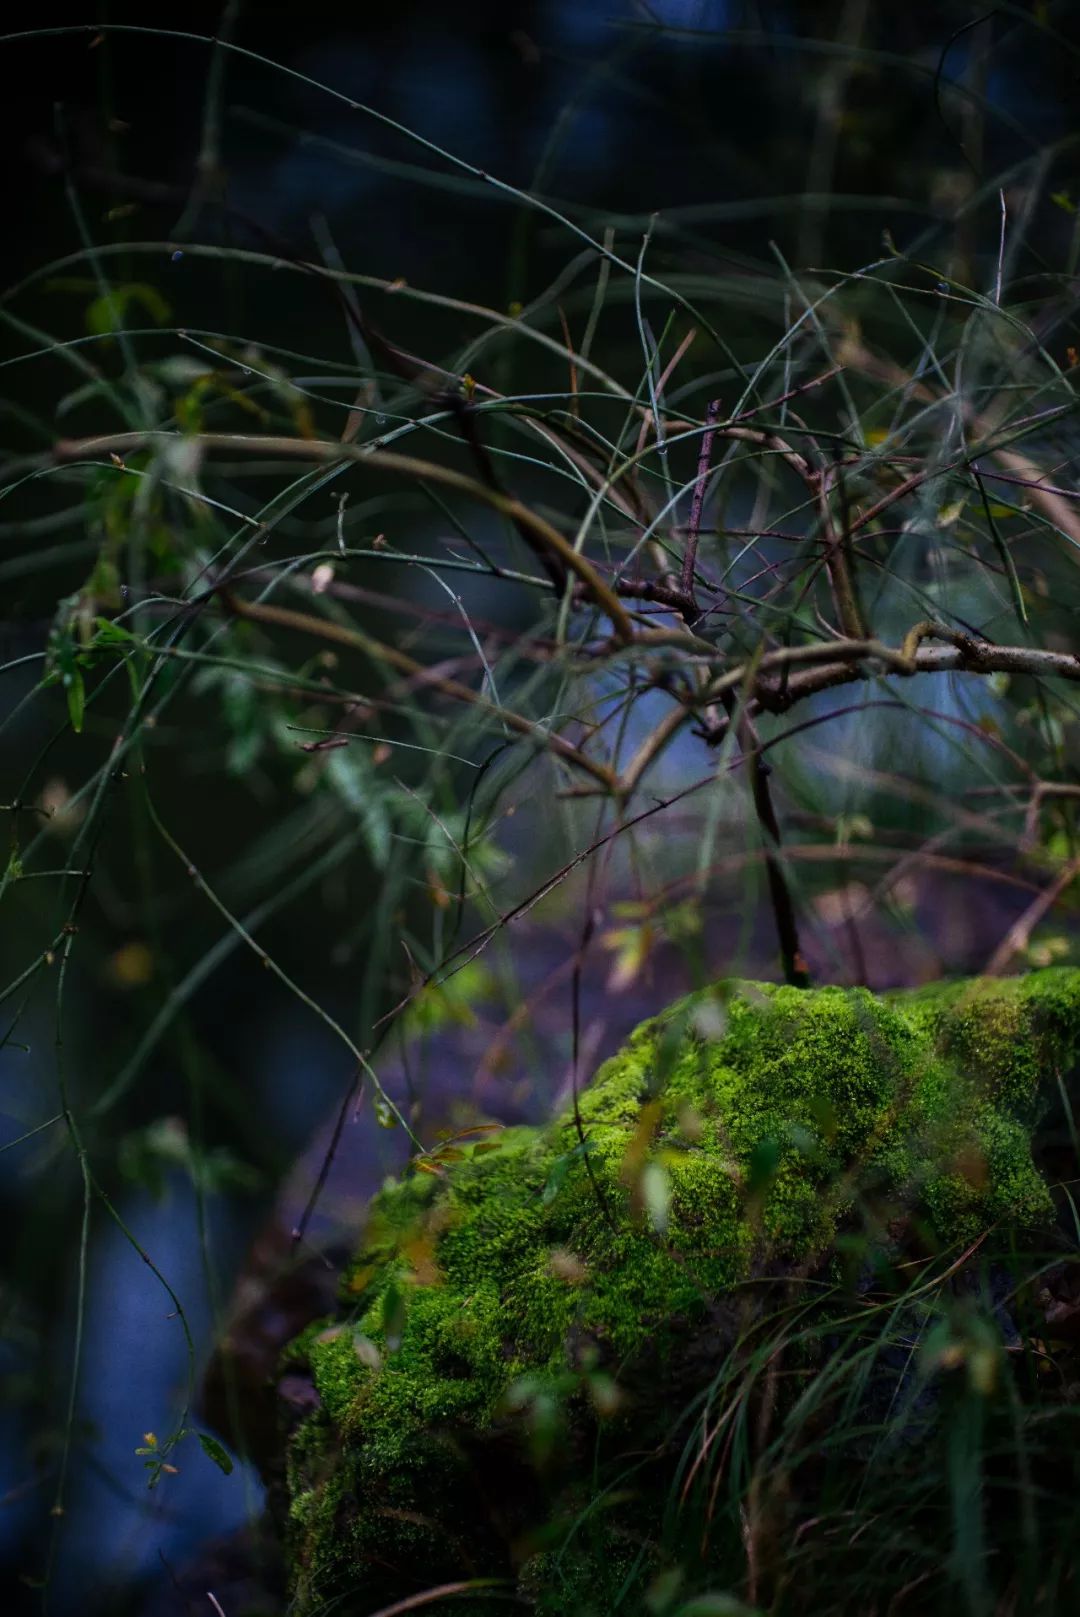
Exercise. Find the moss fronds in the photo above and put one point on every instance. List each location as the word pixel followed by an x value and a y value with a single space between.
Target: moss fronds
pixel 748 1133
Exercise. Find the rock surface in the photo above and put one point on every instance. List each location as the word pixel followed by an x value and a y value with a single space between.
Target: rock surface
pixel 540 1324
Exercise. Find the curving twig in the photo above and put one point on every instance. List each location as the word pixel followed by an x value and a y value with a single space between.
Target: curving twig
pixel 284 617
pixel 331 451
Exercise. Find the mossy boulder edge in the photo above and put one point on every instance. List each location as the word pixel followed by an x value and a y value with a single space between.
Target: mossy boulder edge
pixel 546 1290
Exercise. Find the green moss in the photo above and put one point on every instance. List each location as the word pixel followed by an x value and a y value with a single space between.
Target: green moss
pixel 1007 1036
pixel 497 1317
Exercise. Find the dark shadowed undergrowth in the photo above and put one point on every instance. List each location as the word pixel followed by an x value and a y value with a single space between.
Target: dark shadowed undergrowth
pixel 412 688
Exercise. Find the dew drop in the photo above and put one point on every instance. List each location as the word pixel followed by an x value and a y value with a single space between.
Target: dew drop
pixel 177 256
pixel 380 421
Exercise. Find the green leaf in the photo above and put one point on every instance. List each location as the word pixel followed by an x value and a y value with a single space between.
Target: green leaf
pixel 104 582
pixel 452 1003
pixel 656 1194
pixel 75 690
pixel 823 1112
pixel 107 313
pixel 217 1452
pixel 559 1170
pixel 663 1590
pixel 764 1161
pixel 349 773
pixel 393 1312
pixel 108 633
pixel 670 1046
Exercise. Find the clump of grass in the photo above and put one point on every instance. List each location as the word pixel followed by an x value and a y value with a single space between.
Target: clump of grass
pixel 759 1304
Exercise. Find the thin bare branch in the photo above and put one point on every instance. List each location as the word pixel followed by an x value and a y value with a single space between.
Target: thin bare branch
pixel 1019 934
pixel 70 450
pixel 325 629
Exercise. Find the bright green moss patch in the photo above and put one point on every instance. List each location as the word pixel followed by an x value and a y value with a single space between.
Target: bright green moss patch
pixel 505 1323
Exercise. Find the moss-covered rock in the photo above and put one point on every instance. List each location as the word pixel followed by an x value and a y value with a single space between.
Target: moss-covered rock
pixel 509 1388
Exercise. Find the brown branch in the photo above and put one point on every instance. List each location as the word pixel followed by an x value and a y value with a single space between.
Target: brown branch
pixel 783 905
pixel 1018 935
pixel 775 444
pixel 982 658
pixel 835 544
pixel 1043 790
pixel 826 665
pixel 838 562
pixel 1053 503
pixel 842 661
pixel 465 415
pixel 330 451
pixel 647 589
pixel 693 532
pixel 325 629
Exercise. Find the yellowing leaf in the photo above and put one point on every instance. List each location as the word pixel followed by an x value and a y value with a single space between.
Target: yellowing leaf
pixel 366 1351
pixel 566 1265
pixel 632 946
pixel 450 1004
pixel 109 312
pixel 360 1279
pixel 132 966
pixel 421 1256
